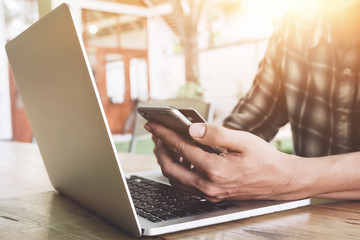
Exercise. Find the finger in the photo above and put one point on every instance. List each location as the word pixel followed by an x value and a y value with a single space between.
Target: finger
pixel 185 177
pixel 185 188
pixel 213 135
pixel 168 161
pixel 186 163
pixel 195 191
pixel 221 196
pixel 161 147
pixel 199 158
pixel 175 170
pixel 154 139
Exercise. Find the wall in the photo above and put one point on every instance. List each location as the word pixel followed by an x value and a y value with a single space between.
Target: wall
pixel 5 112
pixel 167 71
pixel 227 73
pixel 74 4
pixel 134 40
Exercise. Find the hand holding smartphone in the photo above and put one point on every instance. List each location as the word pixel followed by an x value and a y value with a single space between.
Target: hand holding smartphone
pixel 178 120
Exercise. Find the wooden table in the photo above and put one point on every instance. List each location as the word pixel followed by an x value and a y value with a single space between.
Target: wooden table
pixel 31 209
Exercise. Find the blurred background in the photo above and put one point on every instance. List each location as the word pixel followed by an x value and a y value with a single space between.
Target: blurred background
pixel 151 49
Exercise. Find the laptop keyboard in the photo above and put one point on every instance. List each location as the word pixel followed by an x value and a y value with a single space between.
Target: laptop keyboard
pixel 158 202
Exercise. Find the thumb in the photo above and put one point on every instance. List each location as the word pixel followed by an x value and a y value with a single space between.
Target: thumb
pixel 213 135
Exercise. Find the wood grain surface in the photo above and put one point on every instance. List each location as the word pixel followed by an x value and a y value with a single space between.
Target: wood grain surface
pixel 31 209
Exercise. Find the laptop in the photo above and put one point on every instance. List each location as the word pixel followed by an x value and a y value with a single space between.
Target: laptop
pixel 61 100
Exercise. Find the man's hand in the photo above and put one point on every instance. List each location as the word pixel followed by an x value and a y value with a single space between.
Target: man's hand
pixel 250 168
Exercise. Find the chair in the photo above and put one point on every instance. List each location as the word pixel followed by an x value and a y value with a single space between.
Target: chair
pixel 141 139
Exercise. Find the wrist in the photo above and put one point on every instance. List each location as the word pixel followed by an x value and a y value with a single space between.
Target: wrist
pixel 302 177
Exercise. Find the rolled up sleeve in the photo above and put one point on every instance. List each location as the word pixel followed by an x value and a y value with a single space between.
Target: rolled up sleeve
pixel 262 110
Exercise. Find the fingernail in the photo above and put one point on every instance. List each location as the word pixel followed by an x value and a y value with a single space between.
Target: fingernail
pixel 146 126
pixel 197 130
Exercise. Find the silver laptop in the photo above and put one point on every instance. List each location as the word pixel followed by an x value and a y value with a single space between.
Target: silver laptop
pixel 60 96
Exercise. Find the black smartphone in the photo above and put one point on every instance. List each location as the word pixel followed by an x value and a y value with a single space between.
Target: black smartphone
pixel 178 120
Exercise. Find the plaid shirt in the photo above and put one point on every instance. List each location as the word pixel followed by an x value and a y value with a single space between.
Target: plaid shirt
pixel 308 79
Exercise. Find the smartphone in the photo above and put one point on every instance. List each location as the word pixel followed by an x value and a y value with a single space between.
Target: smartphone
pixel 178 120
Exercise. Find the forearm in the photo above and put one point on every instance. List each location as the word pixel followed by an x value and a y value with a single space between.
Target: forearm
pixel 336 176
pixel 350 195
pixel 251 168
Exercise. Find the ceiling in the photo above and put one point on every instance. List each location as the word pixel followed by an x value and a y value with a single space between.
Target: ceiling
pixel 110 23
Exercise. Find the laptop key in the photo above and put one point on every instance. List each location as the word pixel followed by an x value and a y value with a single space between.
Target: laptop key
pixel 154 219
pixel 168 216
pixel 227 205
pixel 184 212
pixel 159 202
